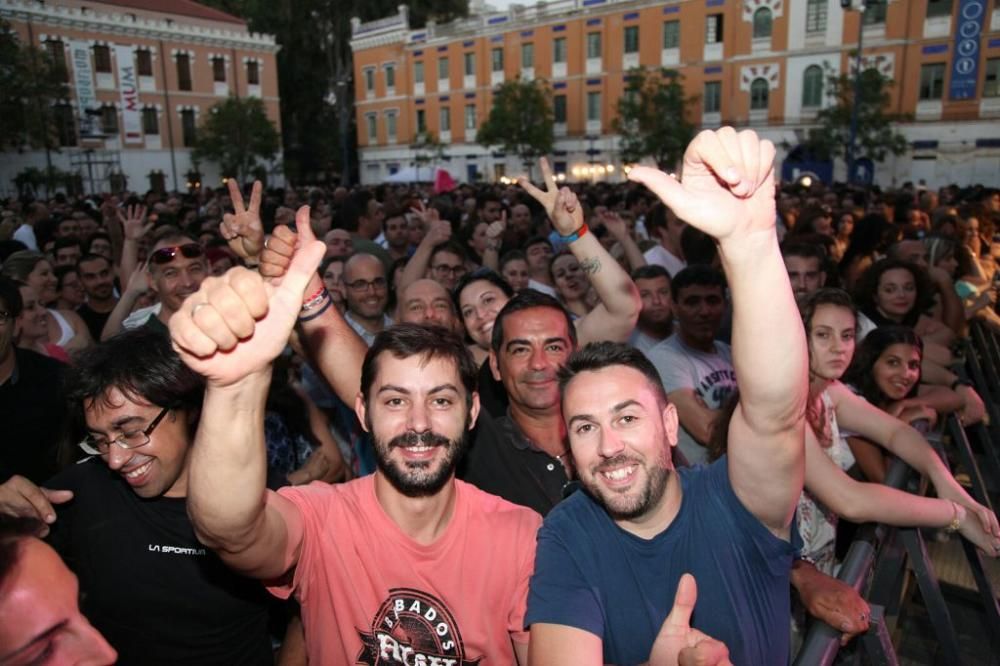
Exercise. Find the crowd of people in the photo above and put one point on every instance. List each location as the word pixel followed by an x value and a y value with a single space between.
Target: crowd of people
pixel 607 423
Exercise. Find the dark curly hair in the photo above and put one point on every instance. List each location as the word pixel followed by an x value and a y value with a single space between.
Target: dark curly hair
pixel 860 374
pixel 867 288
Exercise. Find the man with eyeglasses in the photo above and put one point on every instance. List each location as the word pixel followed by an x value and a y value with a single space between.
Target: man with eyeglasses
pixel 447 264
pixel 367 296
pixel 119 519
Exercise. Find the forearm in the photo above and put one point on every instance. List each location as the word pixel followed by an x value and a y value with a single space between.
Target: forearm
pixel 121 311
pixel 632 252
pixel 952 313
pixel 874 502
pixel 337 352
pixel 911 447
pixel 228 467
pixel 491 256
pixel 416 267
pixel 130 260
pixel 773 380
pixel 613 285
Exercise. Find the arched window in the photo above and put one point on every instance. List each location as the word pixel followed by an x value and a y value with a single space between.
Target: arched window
pixel 812 86
pixel 762 23
pixel 759 94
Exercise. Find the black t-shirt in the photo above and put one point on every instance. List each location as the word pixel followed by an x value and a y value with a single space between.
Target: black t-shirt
pixel 33 417
pixel 492 395
pixel 503 462
pixel 93 319
pixel 147 584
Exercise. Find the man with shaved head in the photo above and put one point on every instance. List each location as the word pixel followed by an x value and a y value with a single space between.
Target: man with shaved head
pixel 426 302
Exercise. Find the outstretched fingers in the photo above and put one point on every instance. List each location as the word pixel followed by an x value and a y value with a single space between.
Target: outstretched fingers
pixel 235 195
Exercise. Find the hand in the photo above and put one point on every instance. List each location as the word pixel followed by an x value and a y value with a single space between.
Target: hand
pixel 495 231
pixel 132 220
pixel 281 246
pixel 727 185
pixel 561 205
pixel 427 215
pixel 832 601
pixel 438 232
pixel 242 228
pixel 138 282
pixel 972 529
pixel 987 519
pixel 678 642
pixel 235 325
pixel 21 497
pixel 974 410
pixel 615 225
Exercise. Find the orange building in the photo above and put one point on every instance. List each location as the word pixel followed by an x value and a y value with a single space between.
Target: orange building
pixel 748 63
pixel 141 75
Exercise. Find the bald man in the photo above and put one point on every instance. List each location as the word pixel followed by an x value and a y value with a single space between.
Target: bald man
pixel 367 295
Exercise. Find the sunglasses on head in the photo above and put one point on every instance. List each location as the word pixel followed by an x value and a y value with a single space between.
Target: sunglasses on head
pixel 167 254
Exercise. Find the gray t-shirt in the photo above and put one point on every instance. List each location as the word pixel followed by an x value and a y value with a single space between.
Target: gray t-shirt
pixel 711 376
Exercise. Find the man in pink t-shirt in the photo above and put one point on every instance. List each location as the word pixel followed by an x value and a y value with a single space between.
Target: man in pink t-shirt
pixel 408 566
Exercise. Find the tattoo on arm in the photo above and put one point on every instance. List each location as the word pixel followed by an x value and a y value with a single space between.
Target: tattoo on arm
pixel 591 265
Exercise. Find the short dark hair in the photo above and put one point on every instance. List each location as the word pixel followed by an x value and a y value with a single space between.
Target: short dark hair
pixel 657 217
pixel 449 246
pixel 701 275
pixel 14 530
pixel 10 296
pixel 66 242
pixel 61 272
pixel 867 287
pixel 486 197
pixel 526 300
pixel 650 272
pixel 92 257
pixel 430 342
pixel 826 296
pixel 599 355
pixel 797 248
pixel 513 255
pixel 142 364
pixel 537 240
pixel 860 374
pixel 97 235
pixel 698 247
pixel 478 275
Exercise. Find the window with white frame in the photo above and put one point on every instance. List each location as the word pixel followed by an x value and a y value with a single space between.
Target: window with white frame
pixel 713 28
pixel 469 64
pixel 443 65
pixel 470 116
pixel 671 34
pixel 759 95
pixel 932 81
pixel 369 74
pixel 390 125
pixel 444 119
pixel 712 98
pixel 594 106
pixel 762 23
pixel 496 59
pixel 816 11
pixel 559 109
pixel 812 86
pixel 418 72
pixel 631 38
pixel 559 50
pixel 593 45
pixel 390 76
pixel 527 55
pixel 372 125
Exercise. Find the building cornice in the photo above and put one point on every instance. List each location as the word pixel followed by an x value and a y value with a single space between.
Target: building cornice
pixel 124 24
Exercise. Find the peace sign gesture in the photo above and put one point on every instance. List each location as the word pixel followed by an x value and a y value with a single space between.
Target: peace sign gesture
pixel 242 228
pixel 560 205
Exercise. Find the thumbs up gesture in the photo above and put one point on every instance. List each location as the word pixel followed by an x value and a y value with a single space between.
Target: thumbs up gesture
pixel 678 644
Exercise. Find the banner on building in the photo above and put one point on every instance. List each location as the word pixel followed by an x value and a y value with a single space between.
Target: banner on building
pixel 83 82
pixel 128 87
pixel 965 58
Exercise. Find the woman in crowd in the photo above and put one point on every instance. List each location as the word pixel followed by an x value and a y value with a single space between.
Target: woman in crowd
pixel 871 236
pixel 332 272
pixel 69 288
pixel 842 237
pixel 65 327
pixel 979 295
pixel 514 269
pixel 886 373
pixel 479 296
pixel 32 329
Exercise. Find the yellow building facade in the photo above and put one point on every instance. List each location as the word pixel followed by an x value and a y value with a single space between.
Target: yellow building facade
pixel 762 64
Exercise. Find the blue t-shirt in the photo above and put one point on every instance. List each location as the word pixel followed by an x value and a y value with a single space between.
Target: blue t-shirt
pixel 593 575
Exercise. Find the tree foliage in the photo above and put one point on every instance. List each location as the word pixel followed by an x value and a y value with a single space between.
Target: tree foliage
pixel 520 120
pixel 235 134
pixel 315 61
pixel 877 136
pixel 652 119
pixel 30 82
pixel 427 148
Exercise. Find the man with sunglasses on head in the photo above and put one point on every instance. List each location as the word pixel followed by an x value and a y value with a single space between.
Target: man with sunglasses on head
pixel 119 518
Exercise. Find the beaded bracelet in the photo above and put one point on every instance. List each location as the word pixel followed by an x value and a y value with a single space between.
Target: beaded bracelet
pixel 956 522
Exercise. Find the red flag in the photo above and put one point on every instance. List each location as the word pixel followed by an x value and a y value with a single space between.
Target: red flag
pixel 443 182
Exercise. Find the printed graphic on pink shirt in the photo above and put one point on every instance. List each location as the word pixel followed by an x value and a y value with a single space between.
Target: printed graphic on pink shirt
pixel 413 628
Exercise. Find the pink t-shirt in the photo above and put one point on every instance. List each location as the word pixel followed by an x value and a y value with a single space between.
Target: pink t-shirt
pixel 372 595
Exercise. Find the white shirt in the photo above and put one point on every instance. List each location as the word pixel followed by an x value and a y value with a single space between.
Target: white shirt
pixel 26 234
pixel 661 256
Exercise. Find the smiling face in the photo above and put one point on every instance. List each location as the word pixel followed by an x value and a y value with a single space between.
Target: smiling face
pixel 831 341
pixel 536 343
pixel 516 273
pixel 367 289
pixel 97 279
pixel 417 414
pixel 480 302
pixel 896 293
pixel 40 619
pixel 33 322
pixel 620 434
pixel 159 468
pixel 44 282
pixel 177 279
pixel 568 278
pixel 897 370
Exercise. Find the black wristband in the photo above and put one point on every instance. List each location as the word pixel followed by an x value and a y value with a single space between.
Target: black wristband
pixel 329 302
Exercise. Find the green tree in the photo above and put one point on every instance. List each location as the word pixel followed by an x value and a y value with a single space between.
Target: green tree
pixel 520 120
pixel 427 148
pixel 235 134
pixel 315 72
pixel 652 117
pixel 30 82
pixel 877 136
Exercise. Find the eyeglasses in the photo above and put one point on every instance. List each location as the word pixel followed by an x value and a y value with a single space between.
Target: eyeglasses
pixel 99 446
pixel 456 271
pixel 378 283
pixel 167 254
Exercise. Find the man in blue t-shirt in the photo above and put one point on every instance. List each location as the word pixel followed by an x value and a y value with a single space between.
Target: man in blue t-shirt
pixel 609 561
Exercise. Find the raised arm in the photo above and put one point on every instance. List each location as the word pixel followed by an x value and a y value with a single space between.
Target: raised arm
pixel 134 227
pixel 438 231
pixel 618 229
pixel 230 331
pixel 335 349
pixel 614 317
pixel 727 191
pixel 242 228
